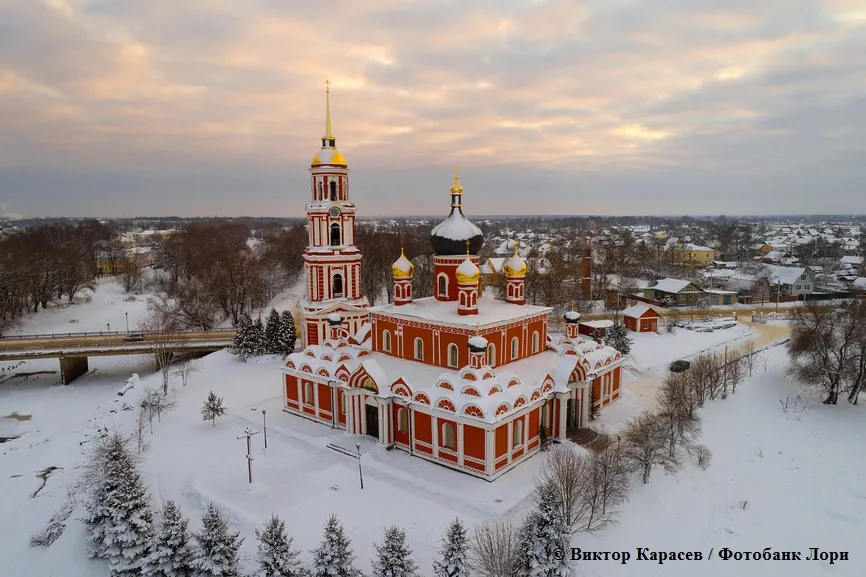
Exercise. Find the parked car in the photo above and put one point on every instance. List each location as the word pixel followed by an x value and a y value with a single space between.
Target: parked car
pixel 134 338
pixel 679 366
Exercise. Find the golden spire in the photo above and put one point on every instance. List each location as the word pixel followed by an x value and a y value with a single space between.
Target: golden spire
pixel 467 249
pixel 456 188
pixel 516 246
pixel 328 133
pixel 572 305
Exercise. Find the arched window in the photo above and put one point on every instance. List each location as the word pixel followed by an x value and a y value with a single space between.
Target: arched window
pixel 333 190
pixel 443 286
pixel 534 342
pixel 517 433
pixel 402 421
pixel 337 286
pixel 308 393
pixel 336 237
pixel 321 192
pixel 386 341
pixel 448 438
pixel 452 356
pixel 491 355
pixel 515 348
pixel 419 350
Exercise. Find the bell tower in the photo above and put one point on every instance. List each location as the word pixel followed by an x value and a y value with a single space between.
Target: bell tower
pixel 332 262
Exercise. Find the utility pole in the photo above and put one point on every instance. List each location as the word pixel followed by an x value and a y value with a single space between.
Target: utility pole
pixel 127 321
pixel 265 427
pixel 248 435
pixel 360 472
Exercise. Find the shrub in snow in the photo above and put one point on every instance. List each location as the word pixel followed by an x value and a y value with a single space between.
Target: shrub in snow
pixel 275 555
pixel 286 336
pixel 272 330
pixel 213 407
pixel 393 556
pixel 119 516
pixel 55 527
pixel 217 552
pixel 172 554
pixel 452 558
pixel 494 550
pixel 702 455
pixel 543 541
pixel 617 337
pixel 334 556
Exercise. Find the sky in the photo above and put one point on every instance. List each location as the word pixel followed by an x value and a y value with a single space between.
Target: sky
pixel 121 108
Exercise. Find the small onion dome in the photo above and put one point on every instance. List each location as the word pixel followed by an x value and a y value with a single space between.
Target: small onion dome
pixel 477 344
pixel 451 235
pixel 402 267
pixel 335 319
pixel 515 266
pixel 572 317
pixel 329 156
pixel 467 272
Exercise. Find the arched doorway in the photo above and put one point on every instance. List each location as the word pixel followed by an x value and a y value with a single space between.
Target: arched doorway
pixel 371 408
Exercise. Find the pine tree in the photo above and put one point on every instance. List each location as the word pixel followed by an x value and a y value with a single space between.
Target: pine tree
pixel 242 336
pixel 334 557
pixel 452 555
pixel 393 556
pixel 617 337
pixel 213 407
pixel 286 336
pixel 258 345
pixel 172 554
pixel 119 514
pixel 544 541
pixel 272 332
pixel 275 556
pixel 217 553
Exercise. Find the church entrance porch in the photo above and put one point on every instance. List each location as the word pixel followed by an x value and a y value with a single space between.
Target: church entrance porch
pixel 372 416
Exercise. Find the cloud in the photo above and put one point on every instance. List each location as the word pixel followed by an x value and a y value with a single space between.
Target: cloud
pixel 616 94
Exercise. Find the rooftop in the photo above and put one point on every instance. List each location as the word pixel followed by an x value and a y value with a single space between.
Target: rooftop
pixel 490 312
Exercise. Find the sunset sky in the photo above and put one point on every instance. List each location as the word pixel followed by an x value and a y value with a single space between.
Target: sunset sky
pixel 216 107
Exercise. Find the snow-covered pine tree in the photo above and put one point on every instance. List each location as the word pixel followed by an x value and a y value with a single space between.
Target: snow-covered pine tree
pixel 119 515
pixel 544 533
pixel 173 553
pixel 272 332
pixel 217 552
pixel 242 336
pixel 334 556
pixel 275 555
pixel 451 561
pixel 393 557
pixel 286 338
pixel 213 407
pixel 617 337
pixel 257 338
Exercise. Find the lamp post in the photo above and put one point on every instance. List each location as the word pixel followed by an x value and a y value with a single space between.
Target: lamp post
pixel 360 472
pixel 108 325
pixel 127 321
pixel 265 427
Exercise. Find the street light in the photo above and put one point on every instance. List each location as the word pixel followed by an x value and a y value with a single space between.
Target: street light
pixel 360 472
pixel 109 326
pixel 265 427
pixel 127 321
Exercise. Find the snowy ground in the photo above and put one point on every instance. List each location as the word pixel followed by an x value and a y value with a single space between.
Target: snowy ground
pixel 792 470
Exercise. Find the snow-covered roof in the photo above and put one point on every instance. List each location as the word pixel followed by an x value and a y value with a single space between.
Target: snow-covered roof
pixel 467 268
pixel 636 311
pixel 492 265
pixel 478 342
pixel 697 247
pixel 335 318
pixel 602 324
pixel 572 315
pixel 859 283
pixel 784 274
pixel 362 333
pixel 456 227
pixel 671 285
pixel 402 264
pixel 490 311
pixel 851 259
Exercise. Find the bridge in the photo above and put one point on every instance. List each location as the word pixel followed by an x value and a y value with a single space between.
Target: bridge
pixel 73 349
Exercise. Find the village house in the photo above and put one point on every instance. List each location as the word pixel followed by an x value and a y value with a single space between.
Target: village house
pixel 641 318
pixel 675 292
pixel 460 379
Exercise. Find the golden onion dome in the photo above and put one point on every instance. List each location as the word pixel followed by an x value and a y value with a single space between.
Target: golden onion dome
pixel 467 272
pixel 402 267
pixel 329 156
pixel 515 266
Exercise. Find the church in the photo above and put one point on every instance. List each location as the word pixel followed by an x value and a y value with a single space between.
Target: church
pixel 459 378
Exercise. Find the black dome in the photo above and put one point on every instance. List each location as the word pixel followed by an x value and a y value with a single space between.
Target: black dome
pixel 449 237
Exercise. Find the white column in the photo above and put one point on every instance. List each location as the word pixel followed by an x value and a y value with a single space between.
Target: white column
pixel 525 433
pixel 510 443
pixel 350 417
pixel 563 415
pixel 361 403
pixel 300 394
pixel 316 397
pixel 489 451
pixel 413 430
pixel 383 424
pixel 459 444
pixel 435 425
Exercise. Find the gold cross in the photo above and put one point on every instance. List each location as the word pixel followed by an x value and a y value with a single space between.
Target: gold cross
pixel 467 248
pixel 327 86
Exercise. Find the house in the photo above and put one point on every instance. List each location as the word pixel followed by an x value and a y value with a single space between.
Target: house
pixel 792 281
pixel 459 379
pixel 699 255
pixel 675 292
pixel 723 297
pixel 595 329
pixel 641 319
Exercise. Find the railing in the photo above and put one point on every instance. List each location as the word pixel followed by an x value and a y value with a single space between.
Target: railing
pixel 109 334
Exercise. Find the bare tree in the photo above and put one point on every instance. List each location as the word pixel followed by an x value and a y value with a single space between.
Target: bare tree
pixel 185 368
pixel 563 473
pixel 678 425
pixel 736 372
pixel 495 549
pixel 141 420
pixel 160 333
pixel 607 484
pixel 131 275
pixel 645 446
pixel 750 358
pixel 702 455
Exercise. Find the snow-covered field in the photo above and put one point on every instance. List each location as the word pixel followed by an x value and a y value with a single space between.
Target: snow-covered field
pixel 785 480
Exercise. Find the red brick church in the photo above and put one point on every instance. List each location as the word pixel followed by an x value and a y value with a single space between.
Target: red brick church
pixel 459 378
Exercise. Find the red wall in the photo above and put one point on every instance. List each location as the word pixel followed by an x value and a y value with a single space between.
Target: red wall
pixel 473 445
pixel 423 431
pixel 292 391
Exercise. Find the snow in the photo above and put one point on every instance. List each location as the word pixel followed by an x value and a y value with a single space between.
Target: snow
pixel 456 227
pixel 402 264
pixel 572 316
pixel 635 311
pixel 670 285
pixel 335 318
pixel 478 342
pixel 490 311
pixel 602 324
pixel 784 274
pixel 515 263
pixel 363 333
pixel 467 268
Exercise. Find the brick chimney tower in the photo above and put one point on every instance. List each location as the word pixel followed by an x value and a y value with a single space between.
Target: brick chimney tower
pixel 586 272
